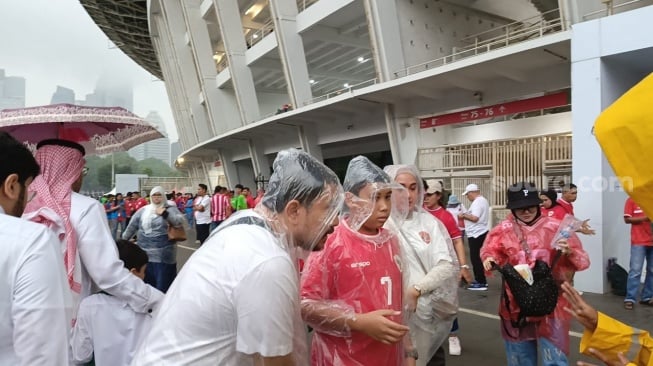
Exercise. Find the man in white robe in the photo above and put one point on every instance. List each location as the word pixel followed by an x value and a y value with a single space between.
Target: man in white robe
pixel 35 302
pixel 90 254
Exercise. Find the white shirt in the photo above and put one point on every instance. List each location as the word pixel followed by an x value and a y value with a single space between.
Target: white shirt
pixel 455 211
pixel 203 217
pixel 102 269
pixel 236 296
pixel 481 209
pixel 35 303
pixel 108 331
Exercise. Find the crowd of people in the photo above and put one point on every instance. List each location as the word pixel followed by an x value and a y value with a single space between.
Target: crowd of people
pixel 371 267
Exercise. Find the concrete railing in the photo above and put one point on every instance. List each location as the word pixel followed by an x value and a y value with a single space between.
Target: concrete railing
pixel 509 34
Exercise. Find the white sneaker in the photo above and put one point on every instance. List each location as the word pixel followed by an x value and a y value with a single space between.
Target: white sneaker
pixel 454 346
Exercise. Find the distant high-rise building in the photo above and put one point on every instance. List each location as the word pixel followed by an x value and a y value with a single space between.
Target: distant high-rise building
pixel 63 95
pixel 158 149
pixel 12 91
pixel 111 92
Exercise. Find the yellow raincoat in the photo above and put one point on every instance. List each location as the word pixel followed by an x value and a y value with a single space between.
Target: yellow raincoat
pixel 611 337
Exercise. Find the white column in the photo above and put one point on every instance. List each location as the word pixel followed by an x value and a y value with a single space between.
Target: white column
pixel 385 37
pixel 188 74
pixel 231 29
pixel 291 51
pixel 260 164
pixel 228 166
pixel 308 142
pixel 175 88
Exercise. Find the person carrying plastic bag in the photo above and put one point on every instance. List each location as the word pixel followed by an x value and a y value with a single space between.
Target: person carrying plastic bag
pixel 352 290
pixel 431 270
pixel 236 301
pixel 527 241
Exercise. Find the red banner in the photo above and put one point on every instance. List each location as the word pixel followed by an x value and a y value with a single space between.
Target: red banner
pixel 518 106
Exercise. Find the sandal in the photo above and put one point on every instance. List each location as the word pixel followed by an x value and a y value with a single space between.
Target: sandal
pixel 629 305
pixel 646 302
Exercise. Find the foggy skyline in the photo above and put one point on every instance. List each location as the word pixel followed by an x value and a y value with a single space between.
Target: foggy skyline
pixel 55 43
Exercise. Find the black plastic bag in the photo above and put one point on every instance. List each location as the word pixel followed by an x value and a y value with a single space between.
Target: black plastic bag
pixel 618 277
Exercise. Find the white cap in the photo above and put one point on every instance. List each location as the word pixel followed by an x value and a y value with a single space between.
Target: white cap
pixel 434 186
pixel 471 188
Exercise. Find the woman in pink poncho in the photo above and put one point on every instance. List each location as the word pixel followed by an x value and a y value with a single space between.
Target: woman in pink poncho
pixel 527 229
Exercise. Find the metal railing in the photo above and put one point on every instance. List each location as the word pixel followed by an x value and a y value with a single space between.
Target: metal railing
pixel 517 32
pixel 609 9
pixel 499 163
pixel 303 4
pixel 256 36
pixel 223 64
pixel 341 91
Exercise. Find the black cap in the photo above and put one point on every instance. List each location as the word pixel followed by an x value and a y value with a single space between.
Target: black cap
pixel 64 143
pixel 521 195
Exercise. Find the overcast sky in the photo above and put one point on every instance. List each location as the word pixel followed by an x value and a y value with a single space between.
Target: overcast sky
pixel 55 42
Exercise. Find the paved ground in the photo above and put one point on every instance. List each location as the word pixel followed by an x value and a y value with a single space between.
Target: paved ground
pixel 479 329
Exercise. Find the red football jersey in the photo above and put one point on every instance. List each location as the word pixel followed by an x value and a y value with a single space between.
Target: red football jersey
pixel 367 278
pixel 557 212
pixel 640 233
pixel 567 206
pixel 448 220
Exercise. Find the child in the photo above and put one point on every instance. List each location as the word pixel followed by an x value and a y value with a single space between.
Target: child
pixel 352 290
pixel 107 329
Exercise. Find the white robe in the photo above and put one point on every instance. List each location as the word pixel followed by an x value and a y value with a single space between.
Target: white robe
pixel 35 302
pixel 102 269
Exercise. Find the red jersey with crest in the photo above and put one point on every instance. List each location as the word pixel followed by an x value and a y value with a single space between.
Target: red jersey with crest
pixel 365 276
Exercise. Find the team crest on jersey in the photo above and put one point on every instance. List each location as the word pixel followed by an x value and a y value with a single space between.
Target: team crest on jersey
pixel 398 261
pixel 525 192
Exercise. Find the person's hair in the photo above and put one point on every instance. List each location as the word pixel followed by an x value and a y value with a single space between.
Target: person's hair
pixel 131 254
pixel 426 185
pixel 16 159
pixel 204 187
pixel 239 186
pixel 246 188
pixel 128 194
pixel 217 189
pixel 568 187
pixel 297 177
pixel 552 195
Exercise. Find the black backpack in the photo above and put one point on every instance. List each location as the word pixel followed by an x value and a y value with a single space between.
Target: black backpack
pixel 617 276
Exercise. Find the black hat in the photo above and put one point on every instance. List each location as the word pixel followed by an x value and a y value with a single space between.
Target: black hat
pixel 522 195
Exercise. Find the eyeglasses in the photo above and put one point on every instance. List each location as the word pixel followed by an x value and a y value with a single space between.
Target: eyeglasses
pixel 31 196
pixel 85 170
pixel 531 209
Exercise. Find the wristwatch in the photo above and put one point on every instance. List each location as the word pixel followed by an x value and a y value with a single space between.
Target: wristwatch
pixel 412 353
pixel 419 289
pixel 464 266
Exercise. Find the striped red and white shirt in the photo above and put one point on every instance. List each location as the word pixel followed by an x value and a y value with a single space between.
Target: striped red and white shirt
pixel 220 206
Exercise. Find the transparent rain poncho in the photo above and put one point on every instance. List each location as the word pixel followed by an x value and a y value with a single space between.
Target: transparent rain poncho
pixel 357 274
pixel 236 300
pixel 431 264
